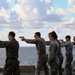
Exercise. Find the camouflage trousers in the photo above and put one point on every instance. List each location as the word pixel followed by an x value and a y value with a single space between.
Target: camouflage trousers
pixel 53 69
pixel 41 64
pixel 68 68
pixel 11 67
pixel 60 66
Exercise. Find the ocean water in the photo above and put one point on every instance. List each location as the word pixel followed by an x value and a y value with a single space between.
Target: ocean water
pixel 27 56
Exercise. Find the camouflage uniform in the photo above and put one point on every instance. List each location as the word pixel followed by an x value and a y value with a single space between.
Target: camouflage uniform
pixel 69 57
pixel 41 51
pixel 11 64
pixel 59 54
pixel 53 58
pixel 60 57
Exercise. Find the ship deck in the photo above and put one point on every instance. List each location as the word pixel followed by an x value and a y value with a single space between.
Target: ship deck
pixel 28 70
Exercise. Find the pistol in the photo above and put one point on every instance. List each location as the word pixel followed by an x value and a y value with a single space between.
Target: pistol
pixel 21 37
pixel 61 39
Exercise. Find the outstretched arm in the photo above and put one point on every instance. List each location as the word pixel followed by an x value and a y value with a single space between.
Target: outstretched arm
pixel 32 41
pixel 47 42
pixel 63 43
pixel 4 44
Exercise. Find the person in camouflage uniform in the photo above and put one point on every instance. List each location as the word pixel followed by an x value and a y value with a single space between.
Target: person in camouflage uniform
pixel 60 57
pixel 59 54
pixel 54 52
pixel 41 51
pixel 12 47
pixel 69 55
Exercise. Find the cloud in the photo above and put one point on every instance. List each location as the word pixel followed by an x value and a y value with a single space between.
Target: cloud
pixel 9 1
pixel 4 14
pixel 61 11
pixel 69 24
pixel 19 11
pixel 48 1
pixel 29 14
pixel 67 11
pixel 33 13
pixel 52 18
pixel 70 2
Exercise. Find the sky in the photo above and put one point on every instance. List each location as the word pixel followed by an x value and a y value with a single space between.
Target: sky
pixel 25 17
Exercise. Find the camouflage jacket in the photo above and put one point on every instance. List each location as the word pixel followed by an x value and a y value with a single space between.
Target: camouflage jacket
pixel 40 45
pixel 69 47
pixel 59 52
pixel 12 48
pixel 53 52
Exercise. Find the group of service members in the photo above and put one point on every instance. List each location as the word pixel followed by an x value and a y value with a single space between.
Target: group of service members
pixel 51 63
pixel 55 57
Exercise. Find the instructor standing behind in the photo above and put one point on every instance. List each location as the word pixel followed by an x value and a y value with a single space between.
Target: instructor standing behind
pixel 41 51
pixel 12 47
